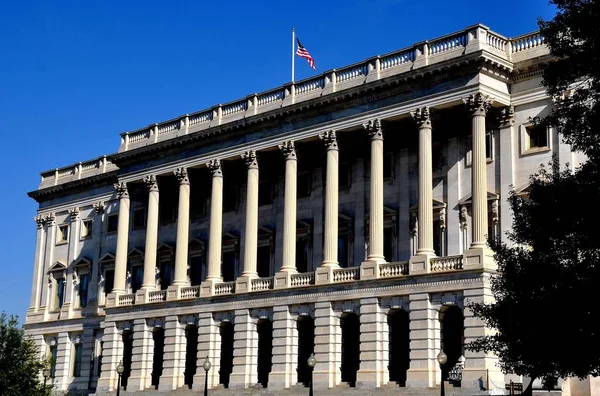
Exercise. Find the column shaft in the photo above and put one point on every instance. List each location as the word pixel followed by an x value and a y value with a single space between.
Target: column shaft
pixel 251 231
pixel 47 298
pixel 289 209
pixel 425 214
pixel 122 239
pixel 216 222
pixel 38 265
pixel 373 127
pixel 330 249
pixel 151 234
pixel 183 228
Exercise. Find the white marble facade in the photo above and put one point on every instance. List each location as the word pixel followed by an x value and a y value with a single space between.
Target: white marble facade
pixel 350 206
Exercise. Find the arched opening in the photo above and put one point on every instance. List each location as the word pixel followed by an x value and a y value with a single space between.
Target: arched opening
pixel 226 331
pixel 306 346
pixel 399 345
pixel 264 327
pixel 158 336
pixel 191 353
pixel 452 324
pixel 127 353
pixel 350 325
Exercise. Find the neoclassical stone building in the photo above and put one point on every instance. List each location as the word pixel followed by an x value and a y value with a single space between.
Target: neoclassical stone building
pixel 344 215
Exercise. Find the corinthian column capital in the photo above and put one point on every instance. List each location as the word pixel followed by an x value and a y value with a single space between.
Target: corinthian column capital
pixel 478 104
pixel 507 117
pixel 373 128
pixel 249 158
pixel 181 174
pixel 214 166
pixel 99 207
pixel 73 214
pixel 288 149
pixel 121 188
pixel 422 116
pixel 49 219
pixel 39 221
pixel 151 183
pixel 330 139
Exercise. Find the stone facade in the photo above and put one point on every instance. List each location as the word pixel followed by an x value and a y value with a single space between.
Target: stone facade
pixel 344 215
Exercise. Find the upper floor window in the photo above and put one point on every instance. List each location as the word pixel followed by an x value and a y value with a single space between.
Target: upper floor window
pixel 137 278
pixel 265 192
pixel 84 284
pixel 78 357
pixel 388 166
pixel 537 137
pixel 109 281
pixel 63 234
pixel 230 198
pixel 86 228
pixel 59 295
pixel 345 175
pixel 112 223
pixel 139 218
pixel 304 184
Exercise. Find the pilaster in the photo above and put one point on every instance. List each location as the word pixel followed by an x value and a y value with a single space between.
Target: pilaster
pixel 245 351
pixel 67 309
pixel 507 159
pixel 174 355
pixel 38 267
pixel 49 221
pixel 285 349
pixel 374 348
pixel 328 348
pixel 424 342
pixel 141 359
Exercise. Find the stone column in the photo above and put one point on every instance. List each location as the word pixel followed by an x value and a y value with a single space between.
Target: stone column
pixel 209 345
pixel 71 278
pixel 38 267
pixel 112 355
pixel 142 356
pixel 97 225
pixel 245 351
pixel 285 353
pixel 122 240
pixel 251 230
pixel 373 345
pixel 373 128
pixel 328 348
pixel 174 355
pixel 183 228
pixel 215 238
pixel 424 369
pixel 63 361
pixel 282 278
pixel 50 222
pixel 478 255
pixel 151 236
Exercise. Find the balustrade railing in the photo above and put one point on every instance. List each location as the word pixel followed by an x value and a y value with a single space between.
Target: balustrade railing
pixel 397 59
pixel 390 270
pixel 350 73
pixel 309 86
pixel 447 43
pixel 526 42
pixel 224 288
pixel 166 128
pixel 302 279
pixel 200 118
pixel 271 97
pixel 450 263
pixel 234 108
pixel 189 292
pixel 126 299
pixel 346 274
pixel 495 41
pixel 259 284
pixel 157 295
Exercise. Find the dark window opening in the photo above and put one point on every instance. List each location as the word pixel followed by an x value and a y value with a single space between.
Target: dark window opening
pixel 139 218
pixel 437 238
pixel 228 266
pixel 226 331
pixel 230 198
pixel 388 166
pixel 343 247
pixel 399 345
pixel 302 255
pixel 350 347
pixel 345 175
pixel 109 281
pixel 388 244
pixel 538 136
pixel 191 353
pixel 437 157
pixel 196 263
pixel 264 328
pixel 83 290
pixel 264 261
pixel 452 338
pixel 265 193
pixel 158 335
pixel 488 146
pixel 53 356
pixel 304 184
pixel 137 278
pixel 60 292
pixel 127 354
pixel 306 346
pixel 112 223
pixel 78 359
pixel 166 274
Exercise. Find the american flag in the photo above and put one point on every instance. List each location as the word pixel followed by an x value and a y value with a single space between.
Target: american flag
pixel 303 53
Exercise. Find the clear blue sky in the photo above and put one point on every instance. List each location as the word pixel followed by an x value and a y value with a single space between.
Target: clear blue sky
pixel 74 74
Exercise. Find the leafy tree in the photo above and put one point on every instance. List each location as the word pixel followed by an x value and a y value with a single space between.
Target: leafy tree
pixel 19 366
pixel 546 287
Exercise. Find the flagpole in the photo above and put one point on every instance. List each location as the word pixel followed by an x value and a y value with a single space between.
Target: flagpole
pixel 293 45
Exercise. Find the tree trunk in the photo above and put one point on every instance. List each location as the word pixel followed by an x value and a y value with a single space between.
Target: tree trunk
pixel 529 390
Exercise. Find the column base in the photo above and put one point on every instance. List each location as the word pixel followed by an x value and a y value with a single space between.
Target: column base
pixel 324 274
pixel 282 279
pixel 243 284
pixel 419 264
pixel 479 258
pixel 370 269
pixel 207 288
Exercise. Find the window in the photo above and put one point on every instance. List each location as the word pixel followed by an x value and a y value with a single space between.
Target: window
pixel 78 358
pixel 83 290
pixel 437 157
pixel 137 278
pixel 86 229
pixel 264 261
pixel 196 263
pixel 304 179
pixel 197 203
pixel 166 274
pixel 112 223
pixel 168 213
pixel 437 237
pixel 109 281
pixel 302 255
pixel 228 269
pixel 139 218
pixel 230 198
pixel 53 355
pixel 60 293
pixel 537 136
pixel 265 193
pixel 63 234
pixel 388 244
pixel 343 246
pixel 345 175
pixel 388 166
pixel 489 148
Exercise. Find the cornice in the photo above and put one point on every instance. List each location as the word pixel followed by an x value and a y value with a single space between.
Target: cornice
pixel 60 189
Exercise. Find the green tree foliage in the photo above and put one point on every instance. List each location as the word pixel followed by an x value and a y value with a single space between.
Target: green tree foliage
pixel 546 304
pixel 19 365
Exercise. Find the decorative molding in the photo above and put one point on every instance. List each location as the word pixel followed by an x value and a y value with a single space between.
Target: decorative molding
pixel 507 117
pixel 151 183
pixel 214 166
pixel 373 128
pixel 73 214
pixel 478 104
pixel 303 310
pixel 347 306
pixel 50 219
pixel 330 139
pixel 225 316
pixel 249 158
pixel 396 302
pixel 181 174
pixel 288 149
pixel 39 221
pixel 99 207
pixel 262 313
pixel 121 188
pixel 422 117
pixel 448 299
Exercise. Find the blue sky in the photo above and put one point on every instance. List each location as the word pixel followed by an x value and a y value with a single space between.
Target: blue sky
pixel 75 74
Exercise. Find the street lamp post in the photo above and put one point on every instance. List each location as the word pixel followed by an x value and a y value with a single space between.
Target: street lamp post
pixel 206 365
pixel 120 370
pixel 311 365
pixel 442 359
pixel 46 374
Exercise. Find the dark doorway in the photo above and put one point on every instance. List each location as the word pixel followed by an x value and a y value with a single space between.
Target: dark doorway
pixel 127 353
pixel 306 346
pixel 399 345
pixel 452 337
pixel 158 335
pixel 226 331
pixel 191 355
pixel 264 327
pixel 350 347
